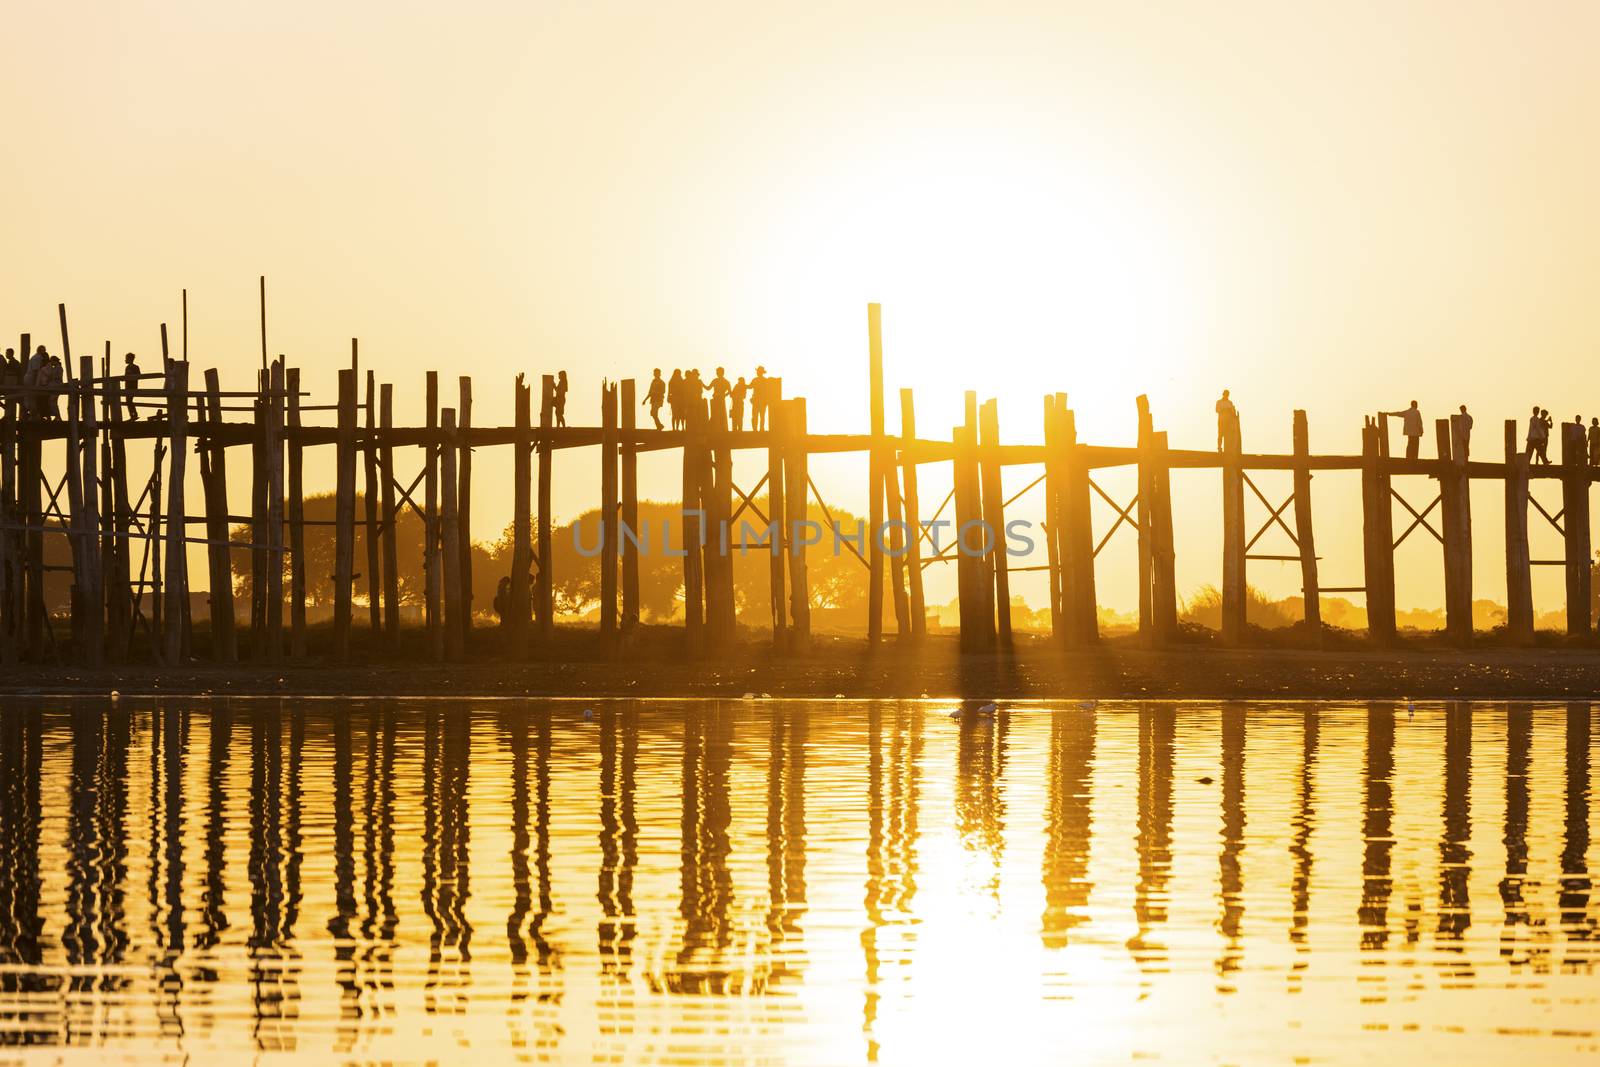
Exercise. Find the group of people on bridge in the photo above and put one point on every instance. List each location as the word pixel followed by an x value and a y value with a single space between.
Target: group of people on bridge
pixel 685 389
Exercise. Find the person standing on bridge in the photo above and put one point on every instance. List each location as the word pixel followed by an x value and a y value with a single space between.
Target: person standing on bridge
pixel 1411 426
pixel 675 398
pixel 33 402
pixel 760 399
pixel 719 397
pixel 1227 421
pixel 655 396
pixel 1594 442
pixel 560 399
pixel 1466 432
pixel 130 385
pixel 737 394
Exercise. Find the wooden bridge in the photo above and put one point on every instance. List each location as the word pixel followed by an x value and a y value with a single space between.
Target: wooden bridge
pixel 130 564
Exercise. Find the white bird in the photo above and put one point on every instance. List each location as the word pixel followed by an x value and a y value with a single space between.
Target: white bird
pixel 588 714
pixel 1088 705
pixel 955 713
pixel 989 708
pixel 115 696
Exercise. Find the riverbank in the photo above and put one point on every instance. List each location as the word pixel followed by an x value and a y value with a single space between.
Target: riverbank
pixel 841 666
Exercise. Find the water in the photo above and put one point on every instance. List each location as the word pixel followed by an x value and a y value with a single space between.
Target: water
pixel 828 883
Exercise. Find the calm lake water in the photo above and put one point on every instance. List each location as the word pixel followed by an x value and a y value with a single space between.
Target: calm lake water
pixel 828 883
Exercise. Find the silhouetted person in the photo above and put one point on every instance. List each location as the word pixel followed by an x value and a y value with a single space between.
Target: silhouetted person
pixel 1411 426
pixel 560 399
pixel 51 376
pixel 11 380
pixel 1594 442
pixel 655 396
pixel 1227 420
pixel 694 392
pixel 760 399
pixel 1546 424
pixel 737 393
pixel 130 384
pixel 33 402
pixel 719 396
pixel 675 398
pixel 1466 432
pixel 1535 430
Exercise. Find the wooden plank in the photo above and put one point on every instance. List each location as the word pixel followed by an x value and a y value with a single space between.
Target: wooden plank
pixel 432 579
pixel 1305 533
pixel 994 518
pixel 519 600
pixel 344 532
pixel 214 472
pixel 391 521
pixel 273 451
pixel 914 592
pixel 1519 578
pixel 608 518
pixel 296 521
pixel 875 473
pixel 544 591
pixel 371 490
pixel 1234 624
pixel 177 565
pixel 1456 520
pixel 464 505
pixel 450 535
pixel 1575 527
pixel 778 525
pixel 629 528
pixel 796 497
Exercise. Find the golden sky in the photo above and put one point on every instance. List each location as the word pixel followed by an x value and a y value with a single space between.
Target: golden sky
pixel 1336 207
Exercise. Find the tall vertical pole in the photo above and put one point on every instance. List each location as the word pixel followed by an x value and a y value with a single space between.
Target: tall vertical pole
pixel 795 500
pixel 630 508
pixel 432 578
pixel 450 535
pixel 214 467
pixel 1519 579
pixel 273 452
pixel 464 504
pixel 1234 618
pixel 93 578
pixel 875 474
pixel 369 501
pixel 1147 495
pixel 1456 520
pixel 1304 534
pixel 177 577
pixel 778 526
pixel 908 436
pixel 608 517
pixel 520 600
pixel 391 522
pixel 297 518
pixel 693 529
pixel 344 513
pixel 544 593
pixel 1575 526
pixel 994 518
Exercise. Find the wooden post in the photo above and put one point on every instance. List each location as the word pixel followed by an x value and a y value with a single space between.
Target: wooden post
pixel 9 518
pixel 432 609
pixel 994 517
pixel 274 456
pixel 777 523
pixel 297 519
pixel 796 494
pixel 630 508
pixel 875 474
pixel 1234 619
pixel 544 590
pixel 92 596
pixel 1164 588
pixel 464 506
pixel 153 524
pixel 177 576
pixel 77 536
pixel 450 530
pixel 214 471
pixel 518 603
pixel 120 616
pixel 608 517
pixel 369 500
pixel 260 648
pixel 692 518
pixel 391 522
pixel 895 541
pixel 1077 554
pixel 32 479
pixel 1310 586
pixel 344 513
pixel 717 492
pixel 908 434
pixel 1519 579
pixel 1575 524
pixel 976 613
pixel 1147 495
pixel 1052 518
pixel 1377 536
pixel 1456 519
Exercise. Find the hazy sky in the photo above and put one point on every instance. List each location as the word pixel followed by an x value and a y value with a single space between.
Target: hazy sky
pixel 1334 207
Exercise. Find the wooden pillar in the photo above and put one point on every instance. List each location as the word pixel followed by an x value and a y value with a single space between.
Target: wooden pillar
pixel 630 508
pixel 9 519
pixel 120 600
pixel 544 591
pixel 1304 533
pixel 32 479
pixel 177 576
pixel 464 505
pixel 1164 588
pixel 1052 518
pixel 76 533
pixel 692 517
pixel 908 435
pixel 1234 595
pixel 274 456
pixel 1377 535
pixel 1519 578
pixel 450 534
pixel 391 521
pixel 1077 554
pixel 608 517
pixel 344 533
pixel 717 493
pixel 1146 515
pixel 258 522
pixel 894 541
pixel 214 471
pixel 796 495
pixel 994 518
pixel 1575 524
pixel 153 524
pixel 432 579
pixel 369 500
pixel 778 527
pixel 519 601
pixel 1456 519
pixel 876 463
pixel 92 597
pixel 976 615
pixel 297 518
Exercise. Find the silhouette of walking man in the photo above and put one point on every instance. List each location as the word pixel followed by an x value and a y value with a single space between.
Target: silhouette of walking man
pixel 1466 432
pixel 737 393
pixel 1594 442
pixel 560 399
pixel 1411 426
pixel 130 384
pixel 1227 420
pixel 760 399
pixel 655 396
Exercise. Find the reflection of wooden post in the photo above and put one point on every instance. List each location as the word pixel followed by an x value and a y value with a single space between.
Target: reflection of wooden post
pixel 796 498
pixel 464 505
pixel 450 535
pixel 1519 579
pixel 214 472
pixel 908 433
pixel 875 474
pixel 432 579
pixel 994 517
pixel 391 522
pixel 1575 524
pixel 519 599
pixel 369 504
pixel 776 525
pixel 177 577
pixel 630 507
pixel 1234 617
pixel 1310 586
pixel 344 513
pixel 1456 520
pixel 544 592
pixel 608 517
pixel 297 519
